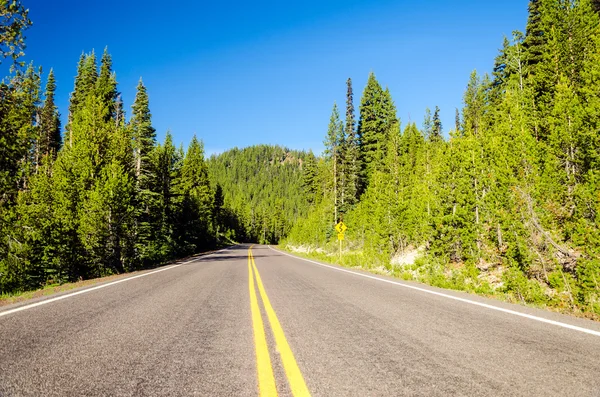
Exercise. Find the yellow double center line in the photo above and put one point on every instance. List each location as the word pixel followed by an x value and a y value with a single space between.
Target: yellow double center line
pixel 266 380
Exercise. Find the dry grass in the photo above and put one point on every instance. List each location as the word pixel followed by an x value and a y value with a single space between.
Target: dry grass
pixel 53 289
pixel 9 299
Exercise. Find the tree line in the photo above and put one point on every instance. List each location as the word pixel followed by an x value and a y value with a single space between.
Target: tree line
pixel 101 195
pixel 104 197
pixel 509 202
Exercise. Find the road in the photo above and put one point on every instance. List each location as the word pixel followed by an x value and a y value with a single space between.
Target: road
pixel 247 322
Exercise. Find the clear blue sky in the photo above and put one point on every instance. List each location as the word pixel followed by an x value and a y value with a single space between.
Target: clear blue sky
pixel 243 73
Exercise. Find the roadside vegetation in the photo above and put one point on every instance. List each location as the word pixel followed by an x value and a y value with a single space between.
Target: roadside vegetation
pixel 51 289
pixel 507 205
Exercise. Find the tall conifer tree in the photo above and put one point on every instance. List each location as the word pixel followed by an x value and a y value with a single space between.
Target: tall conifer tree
pixel 377 114
pixel 310 178
pixel 436 134
pixel 535 39
pixel 143 134
pixel 193 226
pixel 144 140
pixel 335 143
pixel 351 152
pixel 85 82
pixel 106 86
pixel 50 137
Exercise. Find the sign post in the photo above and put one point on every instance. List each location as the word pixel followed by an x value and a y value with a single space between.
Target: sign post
pixel 341 229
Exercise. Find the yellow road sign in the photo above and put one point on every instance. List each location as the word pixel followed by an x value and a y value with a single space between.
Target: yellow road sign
pixel 340 236
pixel 341 227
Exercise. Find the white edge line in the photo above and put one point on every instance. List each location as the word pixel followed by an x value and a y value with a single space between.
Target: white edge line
pixel 500 309
pixel 58 298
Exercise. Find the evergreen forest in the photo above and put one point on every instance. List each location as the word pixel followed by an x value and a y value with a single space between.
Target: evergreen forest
pixel 100 196
pixel 260 190
pixel 507 203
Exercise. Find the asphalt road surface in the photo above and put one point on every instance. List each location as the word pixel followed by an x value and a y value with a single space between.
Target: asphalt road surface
pixel 247 322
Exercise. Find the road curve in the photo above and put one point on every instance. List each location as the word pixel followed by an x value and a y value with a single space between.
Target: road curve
pixel 247 322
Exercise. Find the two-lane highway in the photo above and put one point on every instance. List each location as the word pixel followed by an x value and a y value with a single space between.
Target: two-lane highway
pixel 255 321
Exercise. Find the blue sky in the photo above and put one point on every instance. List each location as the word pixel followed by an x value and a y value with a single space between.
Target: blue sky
pixel 243 73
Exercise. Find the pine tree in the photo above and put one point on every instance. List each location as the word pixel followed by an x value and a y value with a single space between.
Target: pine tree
pixel 335 143
pixel 89 78
pixel 474 99
pixel 50 137
pixel 437 126
pixel 166 162
pixel 413 190
pixel 85 83
pixel 19 101
pixel 535 35
pixel 69 255
pixel 564 164
pixel 38 234
pixel 457 122
pixel 29 97
pixel 310 182
pixel 76 95
pixel 377 114
pixel 516 59
pixel 122 200
pixel 472 160
pixel 106 222
pixel 590 95
pixel 143 134
pixel 94 183
pixel 143 137
pixel 106 86
pixel 502 68
pixel 581 28
pixel 432 126
pixel 427 124
pixel 535 45
pixel 351 155
pixel 542 58
pixel 510 61
pixel 370 130
pixel 193 227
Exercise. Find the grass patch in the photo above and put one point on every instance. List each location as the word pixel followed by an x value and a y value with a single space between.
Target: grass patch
pixel 16 297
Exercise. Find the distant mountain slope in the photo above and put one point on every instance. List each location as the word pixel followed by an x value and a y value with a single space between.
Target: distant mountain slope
pixel 262 191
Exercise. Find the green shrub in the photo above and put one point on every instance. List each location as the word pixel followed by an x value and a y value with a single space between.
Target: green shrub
pixel 519 286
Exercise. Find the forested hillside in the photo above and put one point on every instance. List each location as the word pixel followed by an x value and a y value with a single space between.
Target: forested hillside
pixel 508 204
pixel 261 189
